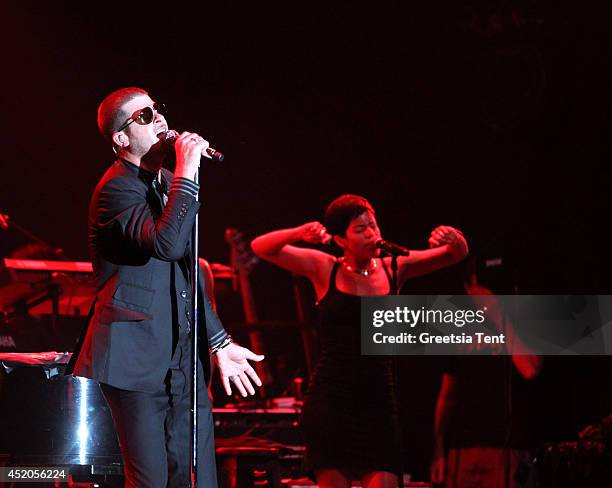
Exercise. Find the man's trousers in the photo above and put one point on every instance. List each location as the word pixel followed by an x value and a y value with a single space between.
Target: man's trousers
pixel 154 429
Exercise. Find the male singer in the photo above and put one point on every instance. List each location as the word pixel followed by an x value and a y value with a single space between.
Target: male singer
pixel 138 341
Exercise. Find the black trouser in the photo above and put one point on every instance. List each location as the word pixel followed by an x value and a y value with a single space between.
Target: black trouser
pixel 154 429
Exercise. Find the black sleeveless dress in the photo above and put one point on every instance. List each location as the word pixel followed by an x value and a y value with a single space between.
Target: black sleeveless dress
pixel 350 415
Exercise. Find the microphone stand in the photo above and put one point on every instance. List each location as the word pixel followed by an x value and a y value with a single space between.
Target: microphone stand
pixel 195 330
pixel 394 256
pixel 395 365
pixel 394 273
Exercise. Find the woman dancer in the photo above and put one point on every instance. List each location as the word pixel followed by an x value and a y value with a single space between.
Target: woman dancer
pixel 350 417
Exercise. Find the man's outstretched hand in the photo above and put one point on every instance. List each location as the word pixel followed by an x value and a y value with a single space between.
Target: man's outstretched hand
pixel 234 368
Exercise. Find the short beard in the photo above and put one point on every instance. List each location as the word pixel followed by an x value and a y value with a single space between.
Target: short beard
pixel 153 159
pixel 155 156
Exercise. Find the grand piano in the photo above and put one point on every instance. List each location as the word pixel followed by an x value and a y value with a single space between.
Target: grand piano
pixel 46 418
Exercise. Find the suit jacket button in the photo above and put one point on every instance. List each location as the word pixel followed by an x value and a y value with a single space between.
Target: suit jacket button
pixel 184 294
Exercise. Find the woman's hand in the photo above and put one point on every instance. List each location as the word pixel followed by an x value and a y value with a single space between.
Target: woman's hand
pixel 445 235
pixel 315 233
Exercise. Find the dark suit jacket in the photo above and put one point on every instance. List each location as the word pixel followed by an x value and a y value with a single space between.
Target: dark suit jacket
pixel 141 255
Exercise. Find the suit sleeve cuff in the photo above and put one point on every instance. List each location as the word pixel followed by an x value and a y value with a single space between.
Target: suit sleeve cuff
pixel 185 185
pixel 217 339
pixel 221 345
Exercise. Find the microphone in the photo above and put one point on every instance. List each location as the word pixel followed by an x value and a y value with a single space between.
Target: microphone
pixel 170 136
pixel 393 249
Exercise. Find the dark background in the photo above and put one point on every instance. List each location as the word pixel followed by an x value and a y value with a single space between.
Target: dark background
pixel 493 117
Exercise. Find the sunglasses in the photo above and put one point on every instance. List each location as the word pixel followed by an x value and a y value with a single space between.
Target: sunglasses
pixel 144 116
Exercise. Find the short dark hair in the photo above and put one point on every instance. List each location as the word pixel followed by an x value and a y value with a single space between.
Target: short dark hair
pixel 110 112
pixel 343 210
